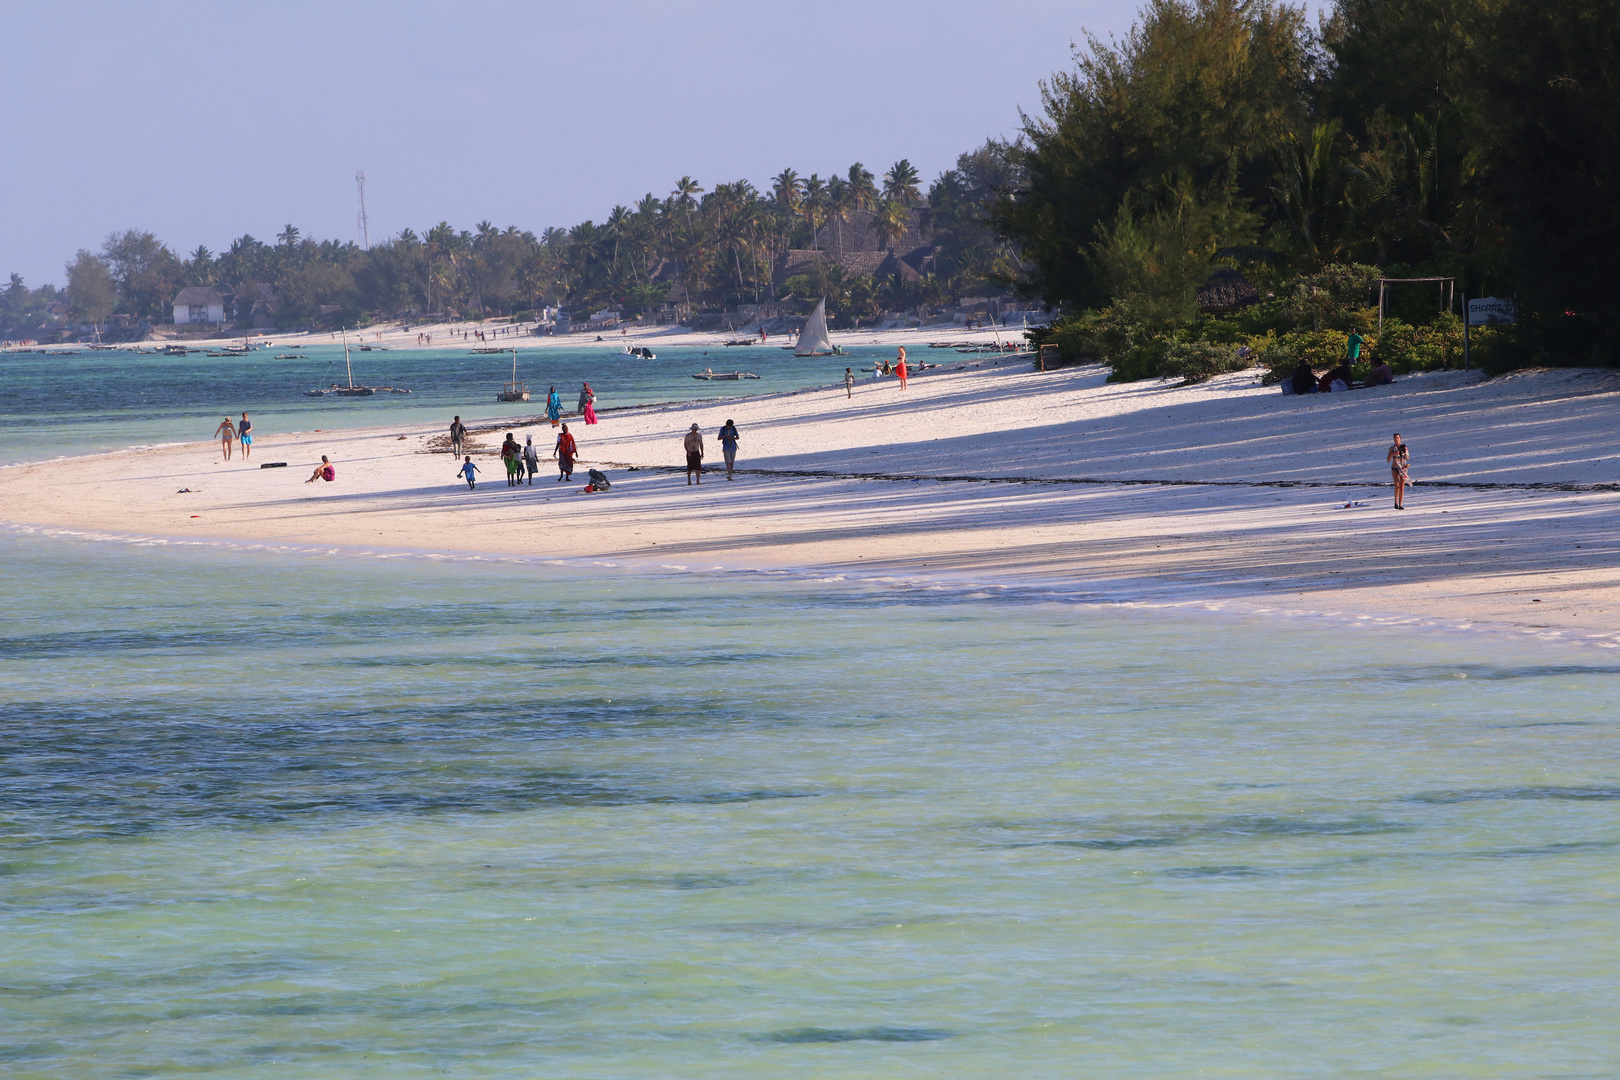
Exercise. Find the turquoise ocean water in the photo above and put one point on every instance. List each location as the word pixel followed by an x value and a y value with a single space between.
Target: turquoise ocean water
pixel 326 814
pixel 53 405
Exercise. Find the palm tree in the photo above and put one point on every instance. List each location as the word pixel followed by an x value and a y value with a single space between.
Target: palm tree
pixel 840 201
pixel 890 221
pixel 862 189
pixel 900 183
pixel 814 204
pixel 287 237
pixel 785 187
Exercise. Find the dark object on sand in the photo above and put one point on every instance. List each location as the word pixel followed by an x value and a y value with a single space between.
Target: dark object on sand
pixel 274 465
pixel 599 480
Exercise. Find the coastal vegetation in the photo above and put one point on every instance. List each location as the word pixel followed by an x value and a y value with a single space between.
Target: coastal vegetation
pixel 694 248
pixel 1227 183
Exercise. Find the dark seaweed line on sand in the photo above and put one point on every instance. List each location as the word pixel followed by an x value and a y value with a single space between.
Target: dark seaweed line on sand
pixel 828 474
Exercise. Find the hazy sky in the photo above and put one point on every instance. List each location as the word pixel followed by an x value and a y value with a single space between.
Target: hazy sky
pixel 203 121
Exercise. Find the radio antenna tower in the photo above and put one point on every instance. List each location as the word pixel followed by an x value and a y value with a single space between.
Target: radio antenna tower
pixel 365 231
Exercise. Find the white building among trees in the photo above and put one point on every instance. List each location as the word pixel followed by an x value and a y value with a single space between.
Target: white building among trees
pixel 198 304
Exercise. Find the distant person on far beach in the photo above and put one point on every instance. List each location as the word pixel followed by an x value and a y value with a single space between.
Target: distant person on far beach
pixel 554 407
pixel 226 433
pixel 244 435
pixel 531 457
pixel 900 367
pixel 324 471
pixel 728 446
pixel 458 436
pixel 469 470
pixel 694 455
pixel 849 382
pixel 1400 459
pixel 564 452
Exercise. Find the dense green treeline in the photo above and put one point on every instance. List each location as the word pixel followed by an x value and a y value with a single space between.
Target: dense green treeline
pixel 1472 139
pixel 704 248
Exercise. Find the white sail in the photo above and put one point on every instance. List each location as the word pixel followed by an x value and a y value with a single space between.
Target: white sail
pixel 813 339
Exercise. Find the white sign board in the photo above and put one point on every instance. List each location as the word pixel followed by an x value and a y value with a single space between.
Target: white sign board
pixel 1488 310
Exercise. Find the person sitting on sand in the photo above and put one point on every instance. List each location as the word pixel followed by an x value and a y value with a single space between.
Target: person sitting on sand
pixel 1338 380
pixel 324 471
pixel 226 433
pixel 1304 378
pixel 469 470
pixel 1380 375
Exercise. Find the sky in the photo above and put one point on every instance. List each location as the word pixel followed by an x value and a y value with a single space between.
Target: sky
pixel 204 121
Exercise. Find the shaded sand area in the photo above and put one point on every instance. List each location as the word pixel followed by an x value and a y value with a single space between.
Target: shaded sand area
pixel 1225 494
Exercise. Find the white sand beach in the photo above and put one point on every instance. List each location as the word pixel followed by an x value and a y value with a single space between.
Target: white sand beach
pixel 1226 494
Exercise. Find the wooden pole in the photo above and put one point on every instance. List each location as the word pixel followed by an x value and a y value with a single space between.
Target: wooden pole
pixel 1381 287
pixel 1467 360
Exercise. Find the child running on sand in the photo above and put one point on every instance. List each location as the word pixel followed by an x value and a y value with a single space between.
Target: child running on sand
pixel 468 469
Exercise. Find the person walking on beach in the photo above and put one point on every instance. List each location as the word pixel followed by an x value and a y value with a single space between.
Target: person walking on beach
pixel 324 471
pixel 554 406
pixel 849 382
pixel 512 458
pixel 469 470
pixel 564 452
pixel 587 404
pixel 244 435
pixel 694 455
pixel 531 458
pixel 728 446
pixel 900 367
pixel 226 433
pixel 1399 458
pixel 458 436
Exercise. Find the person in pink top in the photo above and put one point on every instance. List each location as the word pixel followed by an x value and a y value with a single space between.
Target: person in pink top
pixel 324 471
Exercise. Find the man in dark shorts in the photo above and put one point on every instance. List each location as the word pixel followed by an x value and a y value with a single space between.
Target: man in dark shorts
pixel 458 436
pixel 694 455
pixel 728 446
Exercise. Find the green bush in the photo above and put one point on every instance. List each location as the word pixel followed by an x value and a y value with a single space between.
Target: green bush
pixel 1196 361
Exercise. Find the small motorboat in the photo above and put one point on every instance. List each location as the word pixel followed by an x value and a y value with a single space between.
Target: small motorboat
pixel 174 350
pixel 742 341
pixel 290 356
pixel 724 376
pixel 638 351
pixel 314 393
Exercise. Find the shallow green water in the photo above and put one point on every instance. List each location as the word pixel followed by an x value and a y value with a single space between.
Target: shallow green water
pixel 302 815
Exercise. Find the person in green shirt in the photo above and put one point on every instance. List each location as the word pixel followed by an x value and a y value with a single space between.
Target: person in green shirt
pixel 1353 344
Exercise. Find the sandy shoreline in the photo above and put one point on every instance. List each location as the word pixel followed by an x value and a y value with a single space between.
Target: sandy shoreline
pixel 1225 494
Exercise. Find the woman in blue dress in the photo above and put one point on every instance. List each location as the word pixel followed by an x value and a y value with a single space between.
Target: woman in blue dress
pixel 554 407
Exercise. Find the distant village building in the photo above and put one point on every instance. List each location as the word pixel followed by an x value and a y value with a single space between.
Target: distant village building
pixel 56 312
pixel 198 304
pixel 255 305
